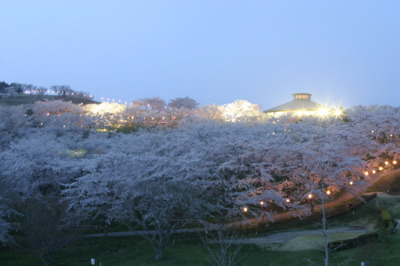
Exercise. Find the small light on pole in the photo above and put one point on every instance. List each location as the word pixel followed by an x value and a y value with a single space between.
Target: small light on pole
pixel 287 200
pixel 262 203
pixel 394 162
pixel 366 173
pixel 245 209
pixel 310 196
pixel 374 171
pixel 380 168
pixel 351 183
pixel 328 192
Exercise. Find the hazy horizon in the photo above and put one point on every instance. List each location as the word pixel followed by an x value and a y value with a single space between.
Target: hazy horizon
pixel 343 52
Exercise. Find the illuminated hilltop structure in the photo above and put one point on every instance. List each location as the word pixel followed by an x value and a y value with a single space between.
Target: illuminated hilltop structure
pixel 301 105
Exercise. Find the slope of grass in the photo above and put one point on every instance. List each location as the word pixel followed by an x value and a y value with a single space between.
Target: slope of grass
pixel 31 99
pixel 315 241
pixel 187 249
pixel 389 183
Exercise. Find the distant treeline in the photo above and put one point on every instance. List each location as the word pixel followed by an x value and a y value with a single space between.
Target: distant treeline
pixel 14 89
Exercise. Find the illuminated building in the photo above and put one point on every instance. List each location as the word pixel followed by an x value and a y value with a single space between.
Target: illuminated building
pixel 301 105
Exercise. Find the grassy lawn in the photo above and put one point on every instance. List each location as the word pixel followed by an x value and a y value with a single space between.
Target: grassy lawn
pixel 187 249
pixel 133 251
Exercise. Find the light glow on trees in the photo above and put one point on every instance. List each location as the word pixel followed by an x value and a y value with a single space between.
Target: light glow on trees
pixel 105 108
pixel 323 112
pixel 338 112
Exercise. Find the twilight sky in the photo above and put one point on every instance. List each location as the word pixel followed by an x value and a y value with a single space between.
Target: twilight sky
pixel 343 52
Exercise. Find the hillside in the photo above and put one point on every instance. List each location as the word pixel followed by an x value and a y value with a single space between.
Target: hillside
pixel 30 99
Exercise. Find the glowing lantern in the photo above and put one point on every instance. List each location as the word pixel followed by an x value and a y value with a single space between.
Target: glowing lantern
pixel 380 168
pixel 262 203
pixel 351 183
pixel 386 162
pixel 394 162
pixel 310 196
pixel 245 209
pixel 366 173
pixel 373 171
pixel 287 200
pixel 328 192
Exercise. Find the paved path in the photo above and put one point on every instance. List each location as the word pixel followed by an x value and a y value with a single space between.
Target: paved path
pixel 285 236
pixel 149 232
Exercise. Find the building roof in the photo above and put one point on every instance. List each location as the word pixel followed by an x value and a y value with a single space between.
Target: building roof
pixel 301 101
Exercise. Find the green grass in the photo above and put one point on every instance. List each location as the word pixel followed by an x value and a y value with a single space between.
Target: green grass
pixel 187 249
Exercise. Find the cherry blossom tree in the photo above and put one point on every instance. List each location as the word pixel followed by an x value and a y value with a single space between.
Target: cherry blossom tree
pixel 241 110
pixel 183 103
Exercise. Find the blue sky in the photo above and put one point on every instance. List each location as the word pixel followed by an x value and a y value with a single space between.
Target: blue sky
pixel 343 52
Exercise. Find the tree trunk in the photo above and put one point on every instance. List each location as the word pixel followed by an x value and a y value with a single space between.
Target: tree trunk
pixel 324 225
pixel 105 229
pixel 159 253
pixel 324 233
